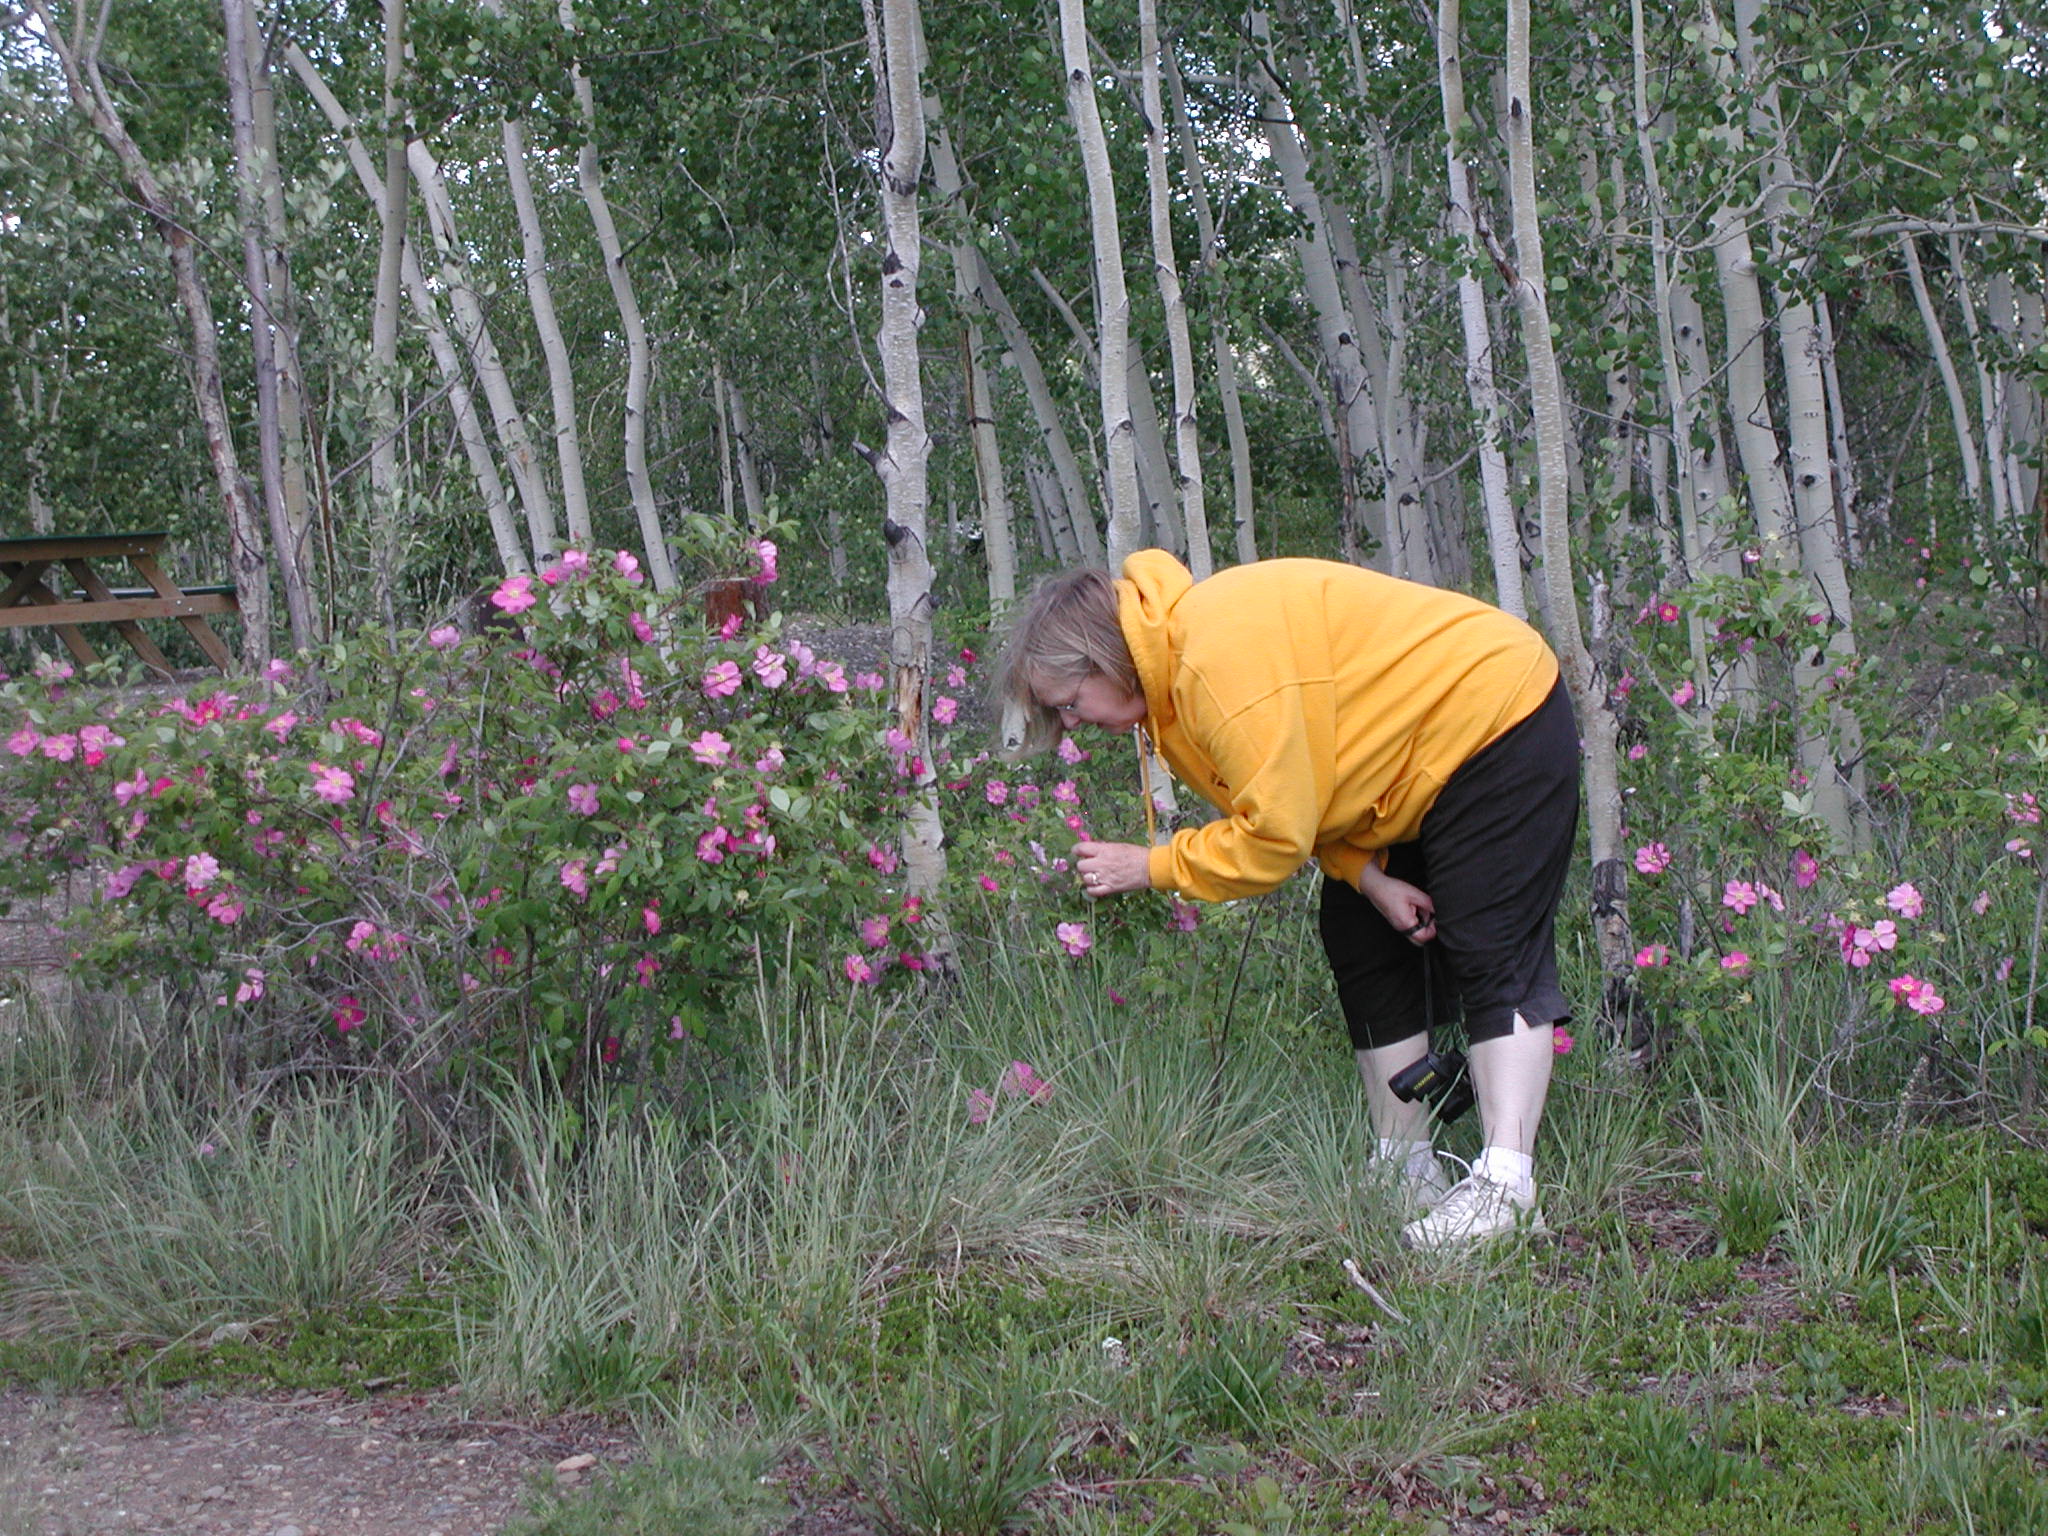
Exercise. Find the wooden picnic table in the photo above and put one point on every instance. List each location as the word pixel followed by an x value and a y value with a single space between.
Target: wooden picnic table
pixel 33 591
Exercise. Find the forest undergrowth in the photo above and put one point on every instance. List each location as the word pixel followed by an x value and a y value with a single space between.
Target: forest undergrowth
pixel 1025 1250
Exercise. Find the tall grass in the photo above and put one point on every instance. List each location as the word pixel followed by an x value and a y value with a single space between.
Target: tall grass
pixel 128 1223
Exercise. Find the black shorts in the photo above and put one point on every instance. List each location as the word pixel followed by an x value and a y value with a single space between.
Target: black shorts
pixel 1493 854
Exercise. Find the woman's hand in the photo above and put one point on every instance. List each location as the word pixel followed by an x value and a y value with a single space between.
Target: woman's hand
pixel 1110 869
pixel 1406 906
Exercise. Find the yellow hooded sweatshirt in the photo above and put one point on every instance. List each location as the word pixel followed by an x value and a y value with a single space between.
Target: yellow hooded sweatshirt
pixel 1319 706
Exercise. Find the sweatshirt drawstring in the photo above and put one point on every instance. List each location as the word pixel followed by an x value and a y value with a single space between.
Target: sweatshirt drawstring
pixel 1145 784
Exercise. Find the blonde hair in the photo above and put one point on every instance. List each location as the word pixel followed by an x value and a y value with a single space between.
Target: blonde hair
pixel 1066 633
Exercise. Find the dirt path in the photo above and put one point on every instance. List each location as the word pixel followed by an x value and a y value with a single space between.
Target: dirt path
pixel 304 1466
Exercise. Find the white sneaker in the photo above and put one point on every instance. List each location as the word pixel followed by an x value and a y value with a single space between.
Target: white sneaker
pixel 1415 1191
pixel 1475 1210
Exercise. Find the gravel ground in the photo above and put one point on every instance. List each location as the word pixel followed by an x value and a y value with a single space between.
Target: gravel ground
pixel 319 1465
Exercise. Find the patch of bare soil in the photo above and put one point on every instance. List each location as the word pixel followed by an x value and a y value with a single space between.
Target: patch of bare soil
pixel 319 1465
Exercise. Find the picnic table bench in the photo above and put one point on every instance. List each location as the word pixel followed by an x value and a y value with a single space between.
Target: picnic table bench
pixel 33 593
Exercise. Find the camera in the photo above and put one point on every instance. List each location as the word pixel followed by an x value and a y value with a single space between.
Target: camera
pixel 1439 1079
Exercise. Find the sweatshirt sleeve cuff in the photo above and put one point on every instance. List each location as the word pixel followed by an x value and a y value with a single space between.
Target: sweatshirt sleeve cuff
pixel 1343 862
pixel 1159 867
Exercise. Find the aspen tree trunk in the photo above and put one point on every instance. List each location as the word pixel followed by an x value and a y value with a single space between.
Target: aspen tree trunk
pixel 248 556
pixel 1243 513
pixel 1756 441
pixel 284 304
pixel 639 354
pixel 2015 316
pixel 1840 797
pixel 238 23
pixel 540 297
pixel 901 462
pixel 36 414
pixel 998 538
pixel 1187 442
pixel 1840 457
pixel 1399 444
pixel 1073 523
pixel 469 424
pixel 1614 481
pixel 1945 367
pixel 998 542
pixel 721 447
pixel 743 455
pixel 1698 491
pixel 1998 324
pixel 1503 527
pixel 466 307
pixel 1158 503
pixel 387 490
pixel 1112 302
pixel 1590 694
pixel 1336 328
pixel 1987 409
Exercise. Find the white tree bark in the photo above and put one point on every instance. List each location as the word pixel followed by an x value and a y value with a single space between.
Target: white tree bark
pixel 1073 521
pixel 387 486
pixel 1112 301
pixel 284 306
pixel 639 354
pixel 466 308
pixel 1787 543
pixel 248 555
pixel 743 455
pixel 540 297
pixel 469 423
pixel 1244 519
pixel 1945 368
pixel 1337 329
pixel 1988 414
pixel 1590 695
pixel 2014 316
pixel 893 49
pixel 1158 502
pixel 1503 527
pixel 1842 460
pixel 239 23
pixel 1187 443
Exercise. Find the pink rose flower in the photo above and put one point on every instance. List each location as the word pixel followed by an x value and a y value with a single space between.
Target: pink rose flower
pixel 583 799
pixel 444 637
pixel 1074 939
pixel 515 595
pixel 711 749
pixel 333 785
pixel 722 680
pixel 1653 859
pixel 1905 900
pixel 1022 1081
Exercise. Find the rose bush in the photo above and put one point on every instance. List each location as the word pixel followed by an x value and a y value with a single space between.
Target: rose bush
pixel 576 833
